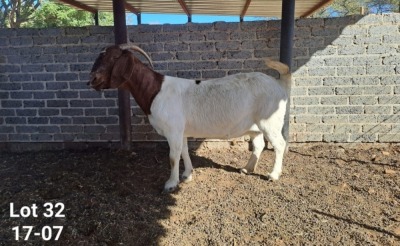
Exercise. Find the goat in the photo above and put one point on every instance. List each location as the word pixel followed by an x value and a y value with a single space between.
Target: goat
pixel 251 104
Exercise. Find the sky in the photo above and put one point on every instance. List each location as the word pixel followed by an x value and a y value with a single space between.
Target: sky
pixel 156 19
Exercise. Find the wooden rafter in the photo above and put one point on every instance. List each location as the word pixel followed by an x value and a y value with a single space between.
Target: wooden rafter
pixel 80 5
pixel 245 8
pixel 184 7
pixel 316 7
pixel 242 8
pixel 131 8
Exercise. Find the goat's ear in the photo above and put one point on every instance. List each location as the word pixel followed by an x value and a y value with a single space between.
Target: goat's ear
pixel 122 70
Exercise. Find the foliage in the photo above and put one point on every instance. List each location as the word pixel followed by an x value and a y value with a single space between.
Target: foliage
pixel 351 7
pixel 46 13
pixel 383 6
pixel 53 14
pixel 13 13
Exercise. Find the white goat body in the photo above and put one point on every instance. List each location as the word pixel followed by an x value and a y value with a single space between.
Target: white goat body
pixel 251 104
pixel 229 107
pixel 218 108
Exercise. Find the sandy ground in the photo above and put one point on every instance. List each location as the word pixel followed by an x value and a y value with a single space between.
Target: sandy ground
pixel 327 195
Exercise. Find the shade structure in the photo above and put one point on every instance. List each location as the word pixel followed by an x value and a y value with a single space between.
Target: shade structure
pixel 260 8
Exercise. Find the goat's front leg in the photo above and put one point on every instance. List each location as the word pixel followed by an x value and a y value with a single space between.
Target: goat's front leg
pixel 175 150
pixel 187 174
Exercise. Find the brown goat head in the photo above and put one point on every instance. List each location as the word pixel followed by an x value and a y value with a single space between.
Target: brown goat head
pixel 100 76
pixel 114 66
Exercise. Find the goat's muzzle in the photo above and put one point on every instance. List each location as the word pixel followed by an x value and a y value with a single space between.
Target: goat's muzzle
pixel 96 82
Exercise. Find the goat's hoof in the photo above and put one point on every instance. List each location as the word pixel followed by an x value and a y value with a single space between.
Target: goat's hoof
pixel 243 170
pixel 168 190
pixel 186 179
pixel 170 186
pixel 273 177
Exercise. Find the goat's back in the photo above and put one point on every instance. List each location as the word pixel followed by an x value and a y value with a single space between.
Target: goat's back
pixel 225 107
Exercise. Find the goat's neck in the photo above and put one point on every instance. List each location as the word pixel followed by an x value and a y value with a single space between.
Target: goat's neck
pixel 144 84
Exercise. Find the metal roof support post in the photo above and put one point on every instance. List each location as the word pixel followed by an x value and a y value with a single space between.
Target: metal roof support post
pixel 139 18
pixel 124 104
pixel 286 50
pixel 96 18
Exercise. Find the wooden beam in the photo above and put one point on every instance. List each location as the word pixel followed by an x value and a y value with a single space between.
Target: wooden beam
pixel 186 9
pixel 245 8
pixel 80 5
pixel 316 7
pixel 131 8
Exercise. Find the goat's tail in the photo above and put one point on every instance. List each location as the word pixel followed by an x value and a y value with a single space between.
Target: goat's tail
pixel 286 83
pixel 284 71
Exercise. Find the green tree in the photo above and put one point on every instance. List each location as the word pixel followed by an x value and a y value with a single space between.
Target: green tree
pixel 14 13
pixel 383 6
pixel 52 14
pixel 351 7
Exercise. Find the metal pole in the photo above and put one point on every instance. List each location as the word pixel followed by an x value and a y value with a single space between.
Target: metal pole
pixel 124 105
pixel 286 50
pixel 96 18
pixel 139 18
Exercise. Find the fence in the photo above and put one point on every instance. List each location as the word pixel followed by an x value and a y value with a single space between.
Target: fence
pixel 346 84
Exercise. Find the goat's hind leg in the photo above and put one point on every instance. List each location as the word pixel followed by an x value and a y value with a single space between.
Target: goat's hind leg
pixel 258 143
pixel 187 174
pixel 279 145
pixel 273 133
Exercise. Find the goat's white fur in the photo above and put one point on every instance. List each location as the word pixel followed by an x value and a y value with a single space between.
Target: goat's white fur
pixel 243 104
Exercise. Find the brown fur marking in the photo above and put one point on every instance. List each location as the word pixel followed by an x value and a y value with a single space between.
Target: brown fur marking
pixel 121 69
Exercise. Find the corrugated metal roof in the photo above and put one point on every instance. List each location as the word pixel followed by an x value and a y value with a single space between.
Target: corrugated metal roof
pixel 261 8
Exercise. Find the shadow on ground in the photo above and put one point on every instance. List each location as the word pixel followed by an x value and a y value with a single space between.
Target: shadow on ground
pixel 110 196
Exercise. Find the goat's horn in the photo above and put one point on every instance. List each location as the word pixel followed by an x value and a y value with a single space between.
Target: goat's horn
pixel 136 48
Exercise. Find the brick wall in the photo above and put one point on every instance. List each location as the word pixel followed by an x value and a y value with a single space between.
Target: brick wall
pixel 349 90
pixel 346 76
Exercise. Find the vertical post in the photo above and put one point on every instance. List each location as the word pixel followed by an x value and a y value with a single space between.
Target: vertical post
pixel 189 18
pixel 286 50
pixel 96 18
pixel 139 18
pixel 124 105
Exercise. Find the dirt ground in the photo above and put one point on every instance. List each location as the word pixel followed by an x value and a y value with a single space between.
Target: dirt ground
pixel 327 195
